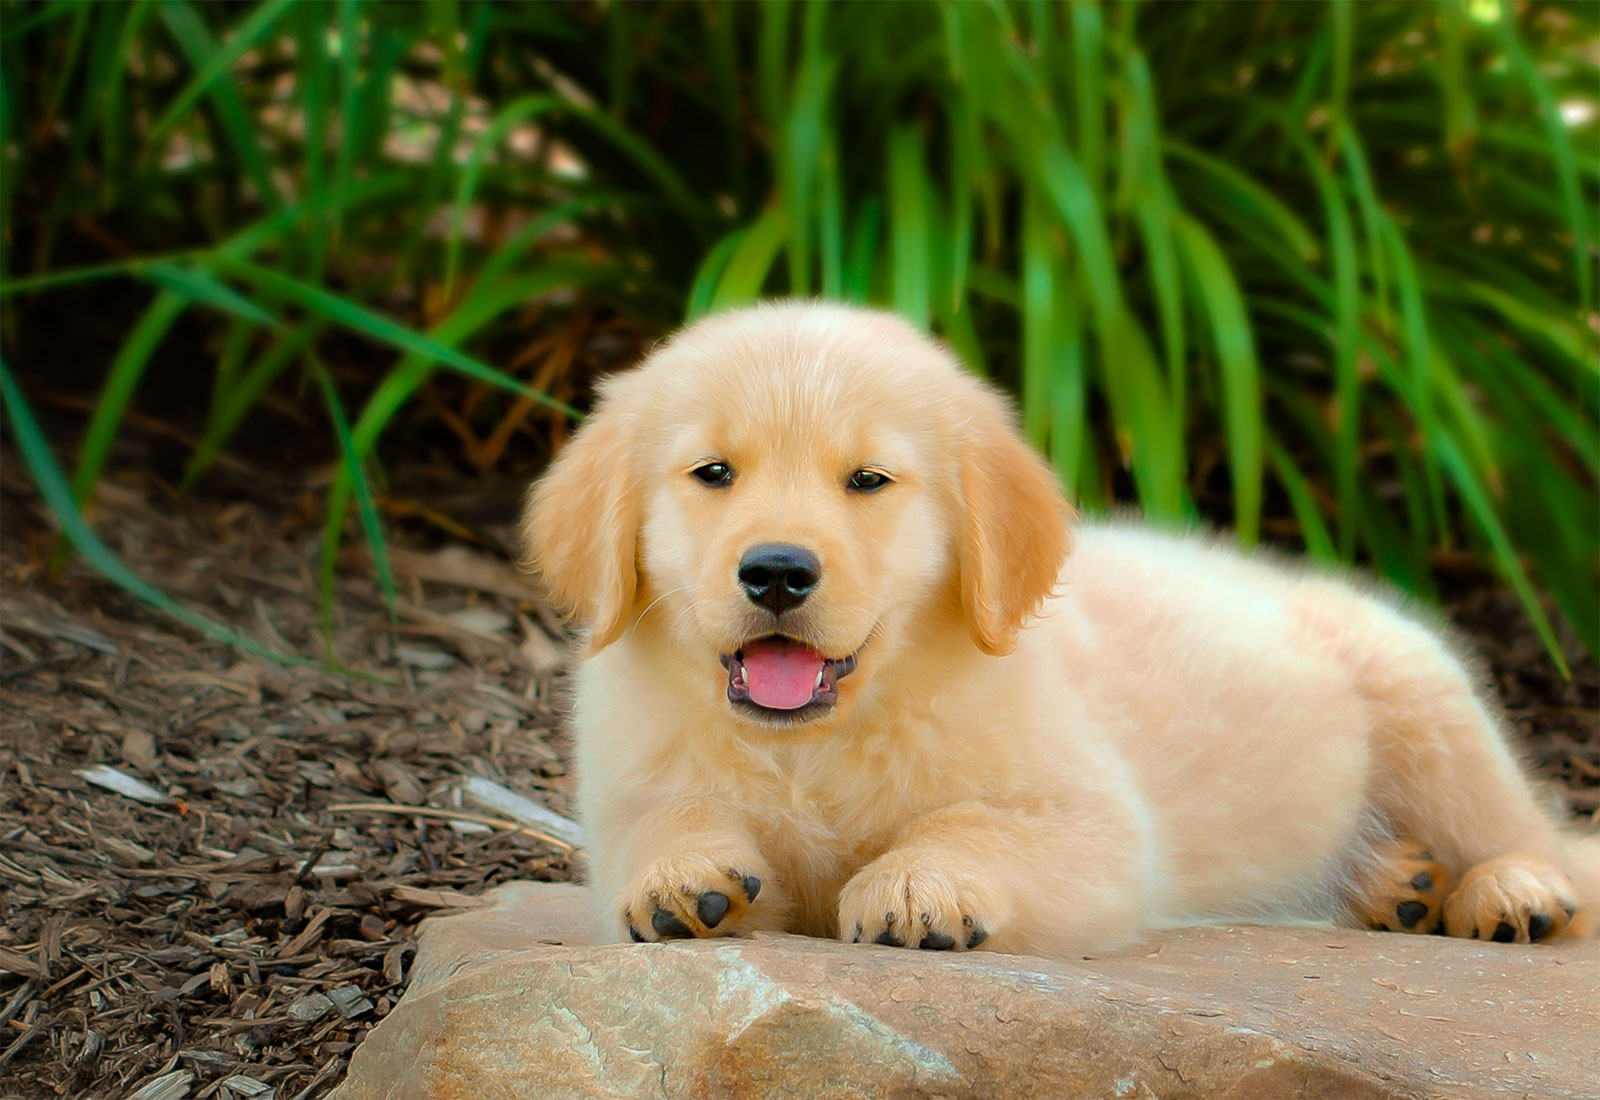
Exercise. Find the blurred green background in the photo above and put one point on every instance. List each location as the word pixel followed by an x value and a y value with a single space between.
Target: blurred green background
pixel 1323 272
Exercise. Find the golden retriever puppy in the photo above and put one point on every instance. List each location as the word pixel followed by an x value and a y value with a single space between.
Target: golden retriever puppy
pixel 853 670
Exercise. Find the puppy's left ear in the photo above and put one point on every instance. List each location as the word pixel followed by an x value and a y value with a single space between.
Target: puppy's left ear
pixel 580 527
pixel 1016 530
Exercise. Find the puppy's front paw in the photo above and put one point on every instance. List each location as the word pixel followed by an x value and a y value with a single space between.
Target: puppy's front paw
pixel 1512 899
pixel 690 895
pixel 919 900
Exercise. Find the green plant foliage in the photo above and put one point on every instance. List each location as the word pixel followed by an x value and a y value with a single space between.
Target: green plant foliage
pixel 1331 264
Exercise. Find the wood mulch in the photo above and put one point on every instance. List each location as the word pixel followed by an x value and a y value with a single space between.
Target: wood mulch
pixel 239 937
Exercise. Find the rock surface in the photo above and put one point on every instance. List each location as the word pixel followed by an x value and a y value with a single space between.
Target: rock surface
pixel 505 1002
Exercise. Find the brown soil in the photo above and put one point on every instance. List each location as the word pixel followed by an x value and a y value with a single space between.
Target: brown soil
pixel 252 929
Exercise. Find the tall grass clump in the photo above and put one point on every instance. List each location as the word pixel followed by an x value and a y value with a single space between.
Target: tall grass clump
pixel 1331 264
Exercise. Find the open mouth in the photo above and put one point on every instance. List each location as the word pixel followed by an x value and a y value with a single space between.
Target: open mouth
pixel 781 678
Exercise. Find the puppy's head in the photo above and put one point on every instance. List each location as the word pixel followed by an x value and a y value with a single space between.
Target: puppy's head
pixel 788 500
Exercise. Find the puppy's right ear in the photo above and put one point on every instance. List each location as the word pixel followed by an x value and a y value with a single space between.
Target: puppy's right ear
pixel 580 527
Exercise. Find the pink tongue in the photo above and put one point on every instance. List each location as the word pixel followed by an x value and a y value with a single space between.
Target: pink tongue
pixel 781 674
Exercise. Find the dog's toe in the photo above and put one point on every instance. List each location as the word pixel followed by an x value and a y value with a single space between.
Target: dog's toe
pixel 1403 890
pixel 904 900
pixel 1512 899
pixel 690 896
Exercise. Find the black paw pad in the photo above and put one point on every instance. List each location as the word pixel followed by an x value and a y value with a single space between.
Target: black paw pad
pixel 1504 933
pixel 752 887
pixel 712 907
pixel 888 939
pixel 1422 882
pixel 1410 912
pixel 978 936
pixel 937 941
pixel 667 924
pixel 633 933
pixel 857 937
pixel 1539 926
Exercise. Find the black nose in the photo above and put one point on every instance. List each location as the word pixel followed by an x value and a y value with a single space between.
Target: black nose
pixel 778 576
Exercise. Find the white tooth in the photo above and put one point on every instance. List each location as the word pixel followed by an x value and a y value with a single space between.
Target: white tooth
pixel 818 684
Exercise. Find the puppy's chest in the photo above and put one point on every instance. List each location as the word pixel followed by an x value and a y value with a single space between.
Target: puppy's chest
pixel 815 844
pixel 821 816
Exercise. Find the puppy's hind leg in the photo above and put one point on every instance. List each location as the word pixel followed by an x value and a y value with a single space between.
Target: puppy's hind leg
pixel 1444 776
pixel 1401 889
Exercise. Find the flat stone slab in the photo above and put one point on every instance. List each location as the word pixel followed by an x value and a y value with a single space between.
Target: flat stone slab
pixel 507 1001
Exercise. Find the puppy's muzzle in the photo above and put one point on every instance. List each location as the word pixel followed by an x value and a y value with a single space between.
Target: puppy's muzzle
pixel 778 576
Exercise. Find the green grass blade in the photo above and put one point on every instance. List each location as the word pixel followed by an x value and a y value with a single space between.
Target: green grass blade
pixel 349 45
pixel 1089 87
pixel 703 290
pixel 751 261
pixel 1297 487
pixel 1251 200
pixel 863 250
pixel 64 506
pixel 1218 292
pixel 234 345
pixel 830 220
pixel 311 59
pixel 804 140
pixel 121 379
pixel 250 32
pixel 364 506
pixel 198 47
pixel 385 331
pixel 1478 503
pixel 231 403
pixel 1038 326
pixel 1347 339
pixel 199 286
pixel 530 108
pixel 1144 423
pixel 1418 347
pixel 1555 331
pixel 1068 187
pixel 910 226
pixel 1559 146
pixel 1460 114
pixel 1343 45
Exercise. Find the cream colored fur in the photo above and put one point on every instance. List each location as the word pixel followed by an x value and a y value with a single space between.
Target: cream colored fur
pixel 1061 734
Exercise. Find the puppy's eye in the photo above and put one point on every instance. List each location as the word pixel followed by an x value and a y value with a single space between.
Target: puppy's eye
pixel 867 481
pixel 714 474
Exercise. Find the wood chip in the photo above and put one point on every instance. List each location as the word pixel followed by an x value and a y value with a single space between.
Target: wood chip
pixel 543 655
pixel 127 853
pixel 458 565
pixel 248 1087
pixel 104 775
pixel 487 621
pixel 398 783
pixel 436 899
pixel 349 1001
pixel 139 749
pixel 169 1086
pixel 423 657
pixel 488 795
pixel 311 1006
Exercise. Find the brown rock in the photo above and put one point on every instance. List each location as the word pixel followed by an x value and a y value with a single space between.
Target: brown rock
pixel 498 1007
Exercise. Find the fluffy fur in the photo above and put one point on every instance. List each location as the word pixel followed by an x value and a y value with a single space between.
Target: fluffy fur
pixel 1058 735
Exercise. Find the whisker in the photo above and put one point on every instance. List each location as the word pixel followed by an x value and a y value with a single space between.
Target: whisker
pixel 658 599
